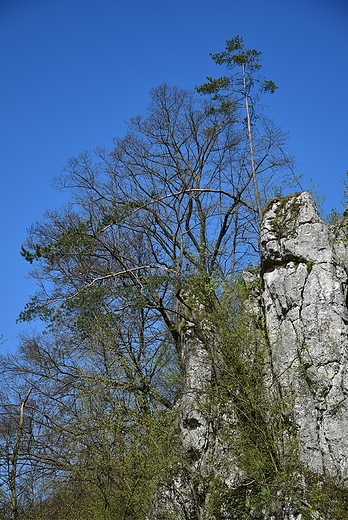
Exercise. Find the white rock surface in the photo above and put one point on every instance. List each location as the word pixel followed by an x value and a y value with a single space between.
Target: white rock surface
pixel 304 265
pixel 306 315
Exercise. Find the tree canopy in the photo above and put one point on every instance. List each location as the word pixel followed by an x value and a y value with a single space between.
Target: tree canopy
pixel 169 217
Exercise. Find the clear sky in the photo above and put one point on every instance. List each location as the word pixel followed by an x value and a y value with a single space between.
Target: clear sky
pixel 73 71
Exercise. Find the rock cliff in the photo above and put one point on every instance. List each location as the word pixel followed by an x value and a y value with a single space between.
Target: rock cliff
pixel 301 304
pixel 305 290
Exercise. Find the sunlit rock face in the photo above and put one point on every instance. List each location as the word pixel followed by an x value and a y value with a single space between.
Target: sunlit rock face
pixel 198 371
pixel 300 298
pixel 305 287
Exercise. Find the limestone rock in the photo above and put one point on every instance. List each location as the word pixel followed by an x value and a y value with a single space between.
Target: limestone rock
pixel 197 363
pixel 303 307
pixel 305 286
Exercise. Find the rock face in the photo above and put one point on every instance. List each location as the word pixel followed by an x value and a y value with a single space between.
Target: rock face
pixel 303 307
pixel 193 418
pixel 305 291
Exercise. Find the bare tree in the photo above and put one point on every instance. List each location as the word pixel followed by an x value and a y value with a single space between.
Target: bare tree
pixel 156 228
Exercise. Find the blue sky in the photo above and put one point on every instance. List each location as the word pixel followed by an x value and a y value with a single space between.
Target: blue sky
pixel 73 71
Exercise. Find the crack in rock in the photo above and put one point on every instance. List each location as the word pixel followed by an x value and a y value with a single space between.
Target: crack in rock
pixel 305 301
